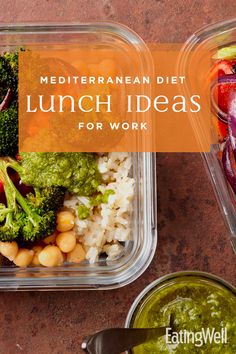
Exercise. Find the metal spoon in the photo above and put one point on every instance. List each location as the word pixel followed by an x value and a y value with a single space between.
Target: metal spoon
pixel 118 340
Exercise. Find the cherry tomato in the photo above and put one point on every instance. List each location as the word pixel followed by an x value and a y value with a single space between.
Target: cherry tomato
pixel 223 130
pixel 222 67
pixel 223 94
pixel 223 91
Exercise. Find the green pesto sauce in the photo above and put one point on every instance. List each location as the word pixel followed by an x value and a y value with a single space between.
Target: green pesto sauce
pixel 194 305
pixel 77 172
pixel 83 212
pixel 101 198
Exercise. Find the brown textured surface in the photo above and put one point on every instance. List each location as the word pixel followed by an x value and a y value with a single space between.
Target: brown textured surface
pixel 192 234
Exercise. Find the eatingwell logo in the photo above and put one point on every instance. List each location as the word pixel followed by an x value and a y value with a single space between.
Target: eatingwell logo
pixel 206 335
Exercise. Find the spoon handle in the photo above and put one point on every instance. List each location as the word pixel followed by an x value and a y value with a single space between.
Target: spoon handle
pixel 118 340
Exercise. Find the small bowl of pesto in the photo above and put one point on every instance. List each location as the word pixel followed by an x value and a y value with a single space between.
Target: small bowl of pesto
pixel 203 309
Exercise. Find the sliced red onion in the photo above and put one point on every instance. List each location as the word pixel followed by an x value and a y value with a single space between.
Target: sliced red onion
pixel 229 164
pixel 232 122
pixel 222 80
pixel 229 152
pixel 227 79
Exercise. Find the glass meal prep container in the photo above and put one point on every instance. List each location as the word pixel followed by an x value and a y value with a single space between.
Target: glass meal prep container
pixel 139 251
pixel 209 40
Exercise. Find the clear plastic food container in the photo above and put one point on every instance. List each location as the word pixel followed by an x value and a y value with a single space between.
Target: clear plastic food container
pixel 209 40
pixel 139 251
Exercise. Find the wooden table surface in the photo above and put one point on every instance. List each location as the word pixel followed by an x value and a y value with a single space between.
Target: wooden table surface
pixel 192 233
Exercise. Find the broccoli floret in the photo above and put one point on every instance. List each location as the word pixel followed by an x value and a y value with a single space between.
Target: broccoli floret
pixel 4 211
pixel 10 230
pixel 29 218
pixel 10 216
pixel 49 198
pixel 36 223
pixel 77 171
pixel 9 132
pixel 39 227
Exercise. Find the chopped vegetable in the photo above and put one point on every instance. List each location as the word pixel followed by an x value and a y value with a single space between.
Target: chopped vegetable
pixel 83 212
pixel 222 67
pixel 49 198
pixel 28 218
pixel 106 195
pixel 223 97
pixel 101 198
pixel 226 53
pixel 221 92
pixel 232 122
pixel 229 152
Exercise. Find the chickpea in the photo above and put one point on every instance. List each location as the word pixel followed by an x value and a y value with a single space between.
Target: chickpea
pixel 65 221
pixel 50 256
pixel 66 241
pixel 9 249
pixel 77 255
pixel 62 258
pixel 37 250
pixel 24 257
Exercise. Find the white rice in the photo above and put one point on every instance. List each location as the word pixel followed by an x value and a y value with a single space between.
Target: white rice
pixel 109 224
